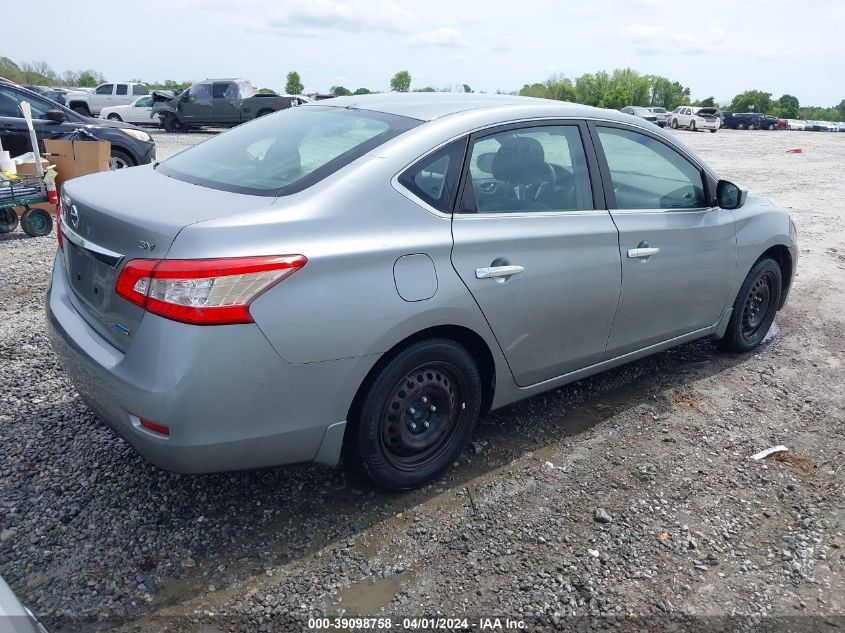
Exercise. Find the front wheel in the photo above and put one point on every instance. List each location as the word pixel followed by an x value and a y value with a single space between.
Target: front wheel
pixel 750 126
pixel 114 117
pixel 120 159
pixel 755 307
pixel 740 126
pixel 171 124
pixel 418 414
pixel 712 131
pixel 692 126
pixel 674 124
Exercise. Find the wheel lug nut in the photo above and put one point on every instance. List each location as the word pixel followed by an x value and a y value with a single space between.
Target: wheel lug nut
pixel 413 426
pixel 425 425
pixel 412 410
pixel 432 408
pixel 424 400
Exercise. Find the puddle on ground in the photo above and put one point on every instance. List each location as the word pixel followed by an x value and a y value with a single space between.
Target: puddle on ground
pixel 364 598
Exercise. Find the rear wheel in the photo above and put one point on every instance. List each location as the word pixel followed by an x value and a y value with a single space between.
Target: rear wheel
pixel 755 307
pixel 712 131
pixel 418 414
pixel 82 109
pixel 674 124
pixel 692 126
pixel 750 126
pixel 36 222
pixel 8 220
pixel 740 126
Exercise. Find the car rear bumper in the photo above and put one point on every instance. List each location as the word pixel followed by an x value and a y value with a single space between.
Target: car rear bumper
pixel 230 401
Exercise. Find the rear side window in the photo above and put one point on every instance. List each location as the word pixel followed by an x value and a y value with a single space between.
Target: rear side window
pixel 434 179
pixel 122 89
pixel 221 90
pixel 139 90
pixel 648 174
pixel 285 152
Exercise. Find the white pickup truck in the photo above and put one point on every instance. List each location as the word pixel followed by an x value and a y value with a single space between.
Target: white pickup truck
pixel 104 96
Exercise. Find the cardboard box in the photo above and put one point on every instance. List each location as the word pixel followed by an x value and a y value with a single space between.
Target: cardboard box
pixel 28 169
pixel 77 158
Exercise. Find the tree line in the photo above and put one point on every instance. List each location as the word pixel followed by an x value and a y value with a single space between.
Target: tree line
pixel 616 89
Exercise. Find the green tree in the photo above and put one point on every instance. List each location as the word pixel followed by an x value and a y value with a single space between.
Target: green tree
pixel 787 107
pixel 362 91
pixel 90 78
pixel 617 97
pixel 841 108
pixel 424 89
pixel 401 81
pixel 293 85
pixel 708 102
pixel 340 91
pixel 467 88
pixel 752 101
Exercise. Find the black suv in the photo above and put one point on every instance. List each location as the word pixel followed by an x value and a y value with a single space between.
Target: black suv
pixel 742 120
pixel 129 145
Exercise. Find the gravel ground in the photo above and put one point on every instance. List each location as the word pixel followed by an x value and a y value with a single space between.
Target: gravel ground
pixel 629 497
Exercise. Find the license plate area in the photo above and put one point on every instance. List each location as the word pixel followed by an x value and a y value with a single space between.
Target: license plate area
pixel 91 280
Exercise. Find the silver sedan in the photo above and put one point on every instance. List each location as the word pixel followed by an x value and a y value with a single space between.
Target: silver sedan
pixel 373 274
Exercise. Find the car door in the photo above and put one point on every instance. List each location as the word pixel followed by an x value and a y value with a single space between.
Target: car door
pixel 14 133
pixel 196 105
pixel 226 103
pixel 102 97
pixel 139 111
pixel 536 247
pixel 678 248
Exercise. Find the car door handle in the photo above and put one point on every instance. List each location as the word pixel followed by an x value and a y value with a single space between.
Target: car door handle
pixel 493 272
pixel 642 252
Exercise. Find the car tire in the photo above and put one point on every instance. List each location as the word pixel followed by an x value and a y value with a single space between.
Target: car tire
pixel 692 126
pixel 754 308
pixel 114 117
pixel 674 124
pixel 751 126
pixel 120 159
pixel 82 109
pixel 417 414
pixel 713 131
pixel 171 124
pixel 771 127
pixel 740 126
pixel 36 222
pixel 8 220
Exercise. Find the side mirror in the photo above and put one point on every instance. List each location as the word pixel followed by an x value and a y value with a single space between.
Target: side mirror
pixel 729 195
pixel 485 162
pixel 56 116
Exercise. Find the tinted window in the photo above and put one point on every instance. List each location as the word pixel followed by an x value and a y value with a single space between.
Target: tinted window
pixel 105 89
pixel 122 89
pixel 9 100
pixel 221 90
pixel 138 89
pixel 144 102
pixel 285 152
pixel 528 169
pixel 435 177
pixel 648 174
pixel 200 91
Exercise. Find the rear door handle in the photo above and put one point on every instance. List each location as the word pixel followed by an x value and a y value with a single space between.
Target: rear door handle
pixel 642 252
pixel 494 272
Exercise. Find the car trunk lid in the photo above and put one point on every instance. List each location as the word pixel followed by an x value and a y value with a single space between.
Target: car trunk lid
pixel 111 218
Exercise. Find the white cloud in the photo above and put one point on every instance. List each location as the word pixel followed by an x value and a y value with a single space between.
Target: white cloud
pixel 445 37
pixel 309 17
pixel 495 43
pixel 656 39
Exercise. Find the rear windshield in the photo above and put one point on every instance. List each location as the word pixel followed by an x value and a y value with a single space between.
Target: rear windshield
pixel 285 152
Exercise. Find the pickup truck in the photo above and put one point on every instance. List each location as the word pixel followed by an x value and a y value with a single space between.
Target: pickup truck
pixel 217 103
pixel 104 96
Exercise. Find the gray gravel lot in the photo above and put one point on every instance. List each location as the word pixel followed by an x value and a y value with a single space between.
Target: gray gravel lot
pixel 628 497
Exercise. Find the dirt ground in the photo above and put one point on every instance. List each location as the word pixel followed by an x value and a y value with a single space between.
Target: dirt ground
pixel 627 501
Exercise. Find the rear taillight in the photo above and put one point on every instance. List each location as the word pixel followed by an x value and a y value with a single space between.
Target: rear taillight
pixel 203 291
pixel 59 236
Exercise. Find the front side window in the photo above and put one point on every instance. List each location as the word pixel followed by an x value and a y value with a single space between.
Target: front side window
pixel 540 168
pixel 105 89
pixel 286 152
pixel 144 102
pixel 648 174
pixel 200 91
pixel 9 100
pixel 434 178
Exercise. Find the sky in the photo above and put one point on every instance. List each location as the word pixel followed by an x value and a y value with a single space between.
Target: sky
pixel 716 47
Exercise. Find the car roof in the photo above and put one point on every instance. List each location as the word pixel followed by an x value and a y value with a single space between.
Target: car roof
pixel 427 106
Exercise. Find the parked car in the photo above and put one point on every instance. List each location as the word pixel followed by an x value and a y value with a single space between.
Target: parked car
pixel 768 122
pixel 105 96
pixel 54 94
pixel 821 126
pixel 138 112
pixel 275 294
pixel 642 113
pixel 14 617
pixel 129 144
pixel 694 119
pixel 217 102
pixel 742 120
pixel 795 124
pixel 662 116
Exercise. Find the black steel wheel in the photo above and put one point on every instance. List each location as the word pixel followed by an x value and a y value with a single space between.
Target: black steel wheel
pixel 418 414
pixel 36 222
pixel 755 307
pixel 8 220
pixel 171 123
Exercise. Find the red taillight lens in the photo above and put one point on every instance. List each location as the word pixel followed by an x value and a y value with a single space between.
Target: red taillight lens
pixel 59 236
pixel 152 426
pixel 203 291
